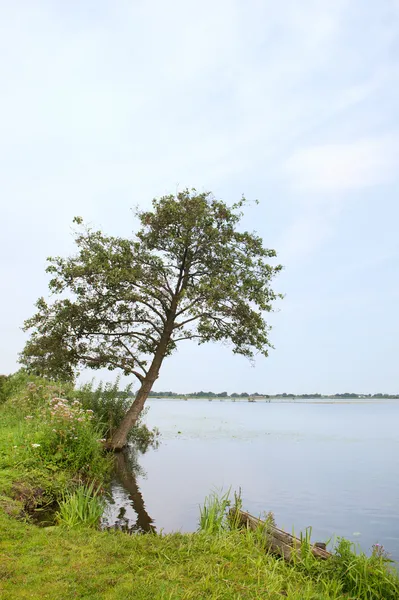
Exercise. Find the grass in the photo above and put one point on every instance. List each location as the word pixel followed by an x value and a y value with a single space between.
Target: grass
pixel 63 564
pixel 213 513
pixel 81 508
pixel 348 574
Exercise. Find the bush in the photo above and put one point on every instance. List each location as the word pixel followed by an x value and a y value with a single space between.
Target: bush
pixel 58 433
pixel 109 404
pixel 28 392
pixel 3 388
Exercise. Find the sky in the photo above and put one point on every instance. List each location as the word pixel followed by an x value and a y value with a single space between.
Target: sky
pixel 105 105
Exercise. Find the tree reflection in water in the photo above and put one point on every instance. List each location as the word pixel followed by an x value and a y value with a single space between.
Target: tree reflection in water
pixel 125 476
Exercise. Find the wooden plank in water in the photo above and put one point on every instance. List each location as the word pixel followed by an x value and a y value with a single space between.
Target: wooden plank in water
pixel 279 542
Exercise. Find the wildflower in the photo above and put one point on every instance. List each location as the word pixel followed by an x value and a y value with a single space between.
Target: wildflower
pixel 35 445
pixel 28 417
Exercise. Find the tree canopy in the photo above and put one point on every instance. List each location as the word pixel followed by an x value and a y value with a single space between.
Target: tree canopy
pixel 188 274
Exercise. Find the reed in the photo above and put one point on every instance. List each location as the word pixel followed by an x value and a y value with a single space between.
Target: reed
pixel 81 508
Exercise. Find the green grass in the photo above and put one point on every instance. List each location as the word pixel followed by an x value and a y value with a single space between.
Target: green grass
pixel 63 564
pixel 213 518
pixel 38 466
pixel 58 563
pixel 348 571
pixel 81 508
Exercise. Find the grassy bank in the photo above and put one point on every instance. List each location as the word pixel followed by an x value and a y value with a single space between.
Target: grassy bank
pixel 60 563
pixel 51 452
pixel 79 563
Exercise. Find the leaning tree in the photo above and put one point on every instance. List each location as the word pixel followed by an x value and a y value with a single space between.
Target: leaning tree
pixel 190 273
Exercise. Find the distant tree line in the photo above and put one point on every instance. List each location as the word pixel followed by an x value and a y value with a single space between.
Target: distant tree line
pixel 202 394
pixel 5 379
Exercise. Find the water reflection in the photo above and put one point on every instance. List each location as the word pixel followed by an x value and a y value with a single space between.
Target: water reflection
pixel 127 511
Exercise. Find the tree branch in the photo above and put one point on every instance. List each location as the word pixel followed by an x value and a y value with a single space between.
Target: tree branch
pixel 135 359
pixel 188 337
pixel 189 306
pixel 139 376
pixel 179 325
pixel 160 315
pixel 181 271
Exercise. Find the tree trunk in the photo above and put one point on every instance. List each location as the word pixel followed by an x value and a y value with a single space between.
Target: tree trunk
pixel 119 438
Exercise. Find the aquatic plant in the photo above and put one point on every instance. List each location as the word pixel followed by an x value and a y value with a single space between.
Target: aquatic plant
pixel 213 513
pixel 82 507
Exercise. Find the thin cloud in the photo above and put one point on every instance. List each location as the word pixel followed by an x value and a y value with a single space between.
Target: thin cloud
pixel 346 166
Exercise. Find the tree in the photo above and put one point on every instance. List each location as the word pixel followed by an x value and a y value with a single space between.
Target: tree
pixel 188 274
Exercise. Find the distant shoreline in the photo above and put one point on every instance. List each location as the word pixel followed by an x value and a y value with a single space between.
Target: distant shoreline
pixel 280 399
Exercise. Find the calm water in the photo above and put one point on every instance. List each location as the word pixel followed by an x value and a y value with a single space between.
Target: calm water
pixel 332 466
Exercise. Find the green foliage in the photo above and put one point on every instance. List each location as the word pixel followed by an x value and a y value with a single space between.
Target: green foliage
pixel 109 403
pixel 213 513
pixel 47 446
pixel 82 507
pixel 188 274
pixel 53 432
pixel 354 574
pixel 27 390
pixel 142 436
pixel 362 576
pixel 3 388
pixel 348 574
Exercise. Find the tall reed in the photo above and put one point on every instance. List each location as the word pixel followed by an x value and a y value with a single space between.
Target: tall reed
pixel 213 513
pixel 81 508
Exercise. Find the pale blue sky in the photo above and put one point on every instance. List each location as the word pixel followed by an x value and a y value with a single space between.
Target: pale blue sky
pixel 105 104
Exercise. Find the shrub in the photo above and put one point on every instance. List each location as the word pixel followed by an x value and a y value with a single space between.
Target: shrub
pixel 59 433
pixel 3 388
pixel 109 404
pixel 28 392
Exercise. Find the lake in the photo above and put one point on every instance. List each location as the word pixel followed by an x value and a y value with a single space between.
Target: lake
pixel 333 466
